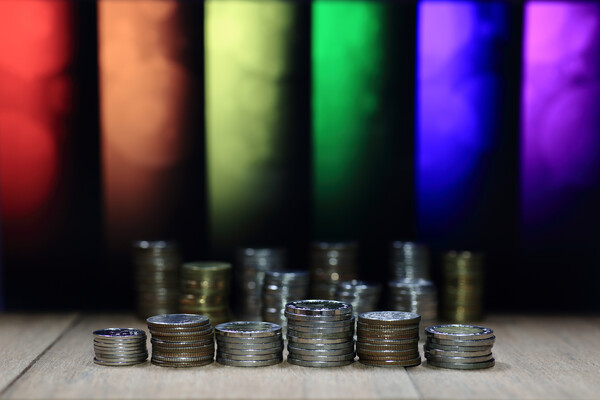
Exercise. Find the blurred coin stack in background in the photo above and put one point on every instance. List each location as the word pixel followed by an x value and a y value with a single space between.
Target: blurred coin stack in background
pixel 409 260
pixel 116 347
pixel 252 264
pixel 205 290
pixel 249 344
pixel 363 296
pixel 181 340
pixel 320 333
pixel 388 339
pixel 459 346
pixel 416 296
pixel 462 290
pixel 330 264
pixel 280 288
pixel 156 276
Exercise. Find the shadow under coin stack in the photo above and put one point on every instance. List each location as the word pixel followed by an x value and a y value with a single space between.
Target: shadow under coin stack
pixel 462 291
pixel 118 347
pixel 280 288
pixel 415 295
pixel 409 260
pixel 363 296
pixel 249 344
pixel 320 333
pixel 388 339
pixel 330 264
pixel 205 290
pixel 156 265
pixel 459 346
pixel 181 340
pixel 252 264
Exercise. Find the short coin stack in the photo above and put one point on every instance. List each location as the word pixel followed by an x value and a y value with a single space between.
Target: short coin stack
pixel 156 265
pixel 120 346
pixel 459 346
pixel 249 344
pixel 281 287
pixel 363 296
pixel 415 295
pixel 252 264
pixel 462 291
pixel 320 333
pixel 388 339
pixel 330 264
pixel 205 290
pixel 181 340
pixel 409 260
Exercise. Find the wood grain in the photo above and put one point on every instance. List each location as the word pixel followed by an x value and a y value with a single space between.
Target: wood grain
pixel 23 338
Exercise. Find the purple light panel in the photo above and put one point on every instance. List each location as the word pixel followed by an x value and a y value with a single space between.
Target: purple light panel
pixel 560 151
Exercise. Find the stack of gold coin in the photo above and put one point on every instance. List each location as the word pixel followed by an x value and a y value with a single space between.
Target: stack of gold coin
pixel 388 339
pixel 409 260
pixel 363 296
pixel 462 291
pixel 249 344
pixel 181 340
pixel 320 333
pixel 459 346
pixel 156 266
pixel 252 265
pixel 205 290
pixel 330 264
pixel 280 288
pixel 118 347
pixel 415 295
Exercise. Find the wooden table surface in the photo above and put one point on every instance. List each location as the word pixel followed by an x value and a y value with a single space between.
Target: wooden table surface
pixel 50 356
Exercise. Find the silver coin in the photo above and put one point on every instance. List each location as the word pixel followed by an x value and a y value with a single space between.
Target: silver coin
pixel 323 324
pixel 381 327
pixel 320 335
pixel 250 363
pixel 444 347
pixel 120 345
pixel 252 346
pixel 318 357
pixel 396 317
pixel 459 332
pixel 310 352
pixel 318 364
pixel 248 329
pixel 181 364
pixel 316 318
pixel 319 307
pixel 249 351
pixel 481 365
pixel 118 363
pixel 181 359
pixel 387 342
pixel 300 339
pixel 248 357
pixel 385 353
pixel 177 343
pixel 168 320
pixel 174 334
pixel 460 360
pixel 325 330
pixel 119 333
pixel 349 346
pixel 464 343
pixel 462 354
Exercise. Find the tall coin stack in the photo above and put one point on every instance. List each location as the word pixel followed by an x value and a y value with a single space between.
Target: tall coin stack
pixel 249 344
pixel 117 347
pixel 181 340
pixel 280 288
pixel 156 265
pixel 330 264
pixel 252 265
pixel 388 339
pixel 415 295
pixel 459 346
pixel 409 260
pixel 462 291
pixel 363 296
pixel 205 290
pixel 320 333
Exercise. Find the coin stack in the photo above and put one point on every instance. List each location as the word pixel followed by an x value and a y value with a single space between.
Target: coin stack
pixel 459 346
pixel 363 296
pixel 281 287
pixel 320 333
pixel 388 339
pixel 330 264
pixel 250 273
pixel 249 344
pixel 415 295
pixel 409 260
pixel 181 340
pixel 205 290
pixel 156 265
pixel 120 346
pixel 462 291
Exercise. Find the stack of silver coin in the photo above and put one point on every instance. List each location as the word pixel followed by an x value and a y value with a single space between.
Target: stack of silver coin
pixel 280 288
pixel 363 296
pixel 330 264
pixel 388 339
pixel 249 344
pixel 181 340
pixel 120 346
pixel 459 346
pixel 409 260
pixel 415 295
pixel 156 274
pixel 320 333
pixel 252 265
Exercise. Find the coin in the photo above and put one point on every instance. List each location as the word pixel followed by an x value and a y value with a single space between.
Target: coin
pixel 180 364
pixel 253 363
pixel 319 308
pixel 253 346
pixel 119 333
pixel 464 343
pixel 391 363
pixel 321 329
pixel 461 360
pixel 117 363
pixel 318 364
pixel 481 365
pixel 250 351
pixel 459 332
pixel 298 351
pixel 317 335
pixel 390 318
pixel 177 320
pixel 345 323
pixel 308 346
pixel 438 346
pixel 248 329
pixel 316 318
pixel 444 353
pixel 252 340
pixel 366 347
pixel 327 358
